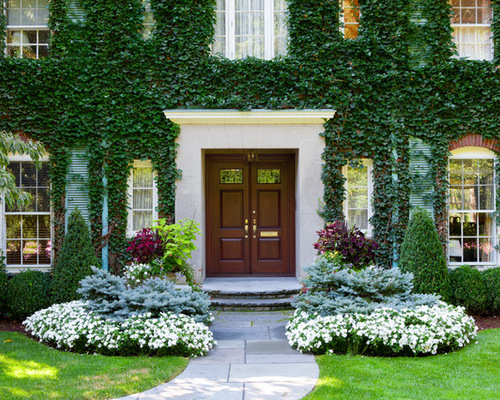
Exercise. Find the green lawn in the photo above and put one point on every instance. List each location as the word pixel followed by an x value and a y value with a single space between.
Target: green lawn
pixel 470 373
pixel 30 370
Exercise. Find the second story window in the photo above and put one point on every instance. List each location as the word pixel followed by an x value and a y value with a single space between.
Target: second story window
pixel 350 18
pixel 250 28
pixel 471 23
pixel 27 31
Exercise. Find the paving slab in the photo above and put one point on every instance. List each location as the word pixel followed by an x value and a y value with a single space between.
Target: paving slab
pixel 221 356
pixel 275 391
pixel 269 347
pixel 279 358
pixel 237 333
pixel 292 372
pixel 230 344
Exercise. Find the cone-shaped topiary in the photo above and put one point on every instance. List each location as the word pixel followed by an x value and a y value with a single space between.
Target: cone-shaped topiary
pixel 74 261
pixel 423 255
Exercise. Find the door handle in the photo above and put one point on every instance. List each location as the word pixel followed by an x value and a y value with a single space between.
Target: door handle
pixel 246 229
pixel 254 227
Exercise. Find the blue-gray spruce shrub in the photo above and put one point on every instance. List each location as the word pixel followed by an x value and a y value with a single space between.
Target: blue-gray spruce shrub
pixel 332 288
pixel 109 296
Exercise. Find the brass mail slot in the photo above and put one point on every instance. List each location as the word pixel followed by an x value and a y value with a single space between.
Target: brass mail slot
pixel 269 234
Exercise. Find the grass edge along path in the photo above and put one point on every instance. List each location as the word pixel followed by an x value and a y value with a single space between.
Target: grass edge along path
pixel 469 373
pixel 31 370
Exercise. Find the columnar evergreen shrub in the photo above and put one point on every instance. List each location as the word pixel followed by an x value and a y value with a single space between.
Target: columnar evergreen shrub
pixel 109 296
pixel 492 281
pixel 468 289
pixel 332 288
pixel 422 254
pixel 28 292
pixel 74 260
pixel 355 248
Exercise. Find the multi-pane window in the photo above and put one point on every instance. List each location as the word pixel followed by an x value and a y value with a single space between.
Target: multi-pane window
pixel 27 32
pixel 472 235
pixel 471 24
pixel 350 18
pixel 357 207
pixel 142 197
pixel 148 22
pixel 250 28
pixel 26 230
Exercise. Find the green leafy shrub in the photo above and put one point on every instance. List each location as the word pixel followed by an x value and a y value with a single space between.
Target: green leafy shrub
pixel 422 254
pixel 27 292
pixel 109 296
pixel 467 288
pixel 492 281
pixel 332 288
pixel 74 260
pixel 178 244
pixel 3 291
pixel 352 244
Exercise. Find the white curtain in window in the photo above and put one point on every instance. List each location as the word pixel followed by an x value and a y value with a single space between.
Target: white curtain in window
pixel 249 28
pixel 142 197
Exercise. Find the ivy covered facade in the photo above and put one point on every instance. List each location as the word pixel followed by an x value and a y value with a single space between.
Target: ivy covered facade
pixel 367 106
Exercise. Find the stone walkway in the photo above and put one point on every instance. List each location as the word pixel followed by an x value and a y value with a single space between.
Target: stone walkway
pixel 252 361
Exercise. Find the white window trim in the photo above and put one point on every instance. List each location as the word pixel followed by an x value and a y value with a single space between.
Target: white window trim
pixel 138 164
pixel 369 164
pixel 474 153
pixel 230 30
pixel 14 268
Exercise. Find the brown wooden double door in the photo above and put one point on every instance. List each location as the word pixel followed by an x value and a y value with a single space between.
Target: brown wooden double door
pixel 250 214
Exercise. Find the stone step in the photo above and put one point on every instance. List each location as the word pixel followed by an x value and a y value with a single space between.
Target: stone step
pixel 251 304
pixel 256 294
pixel 245 295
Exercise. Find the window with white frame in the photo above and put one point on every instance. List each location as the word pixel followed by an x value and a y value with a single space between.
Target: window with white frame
pixel 357 206
pixel 142 197
pixel 27 31
pixel 26 231
pixel 471 23
pixel 148 22
pixel 350 18
pixel 471 230
pixel 250 28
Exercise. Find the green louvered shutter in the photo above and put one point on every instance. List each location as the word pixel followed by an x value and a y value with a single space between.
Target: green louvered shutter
pixel 76 185
pixel 76 13
pixel 422 189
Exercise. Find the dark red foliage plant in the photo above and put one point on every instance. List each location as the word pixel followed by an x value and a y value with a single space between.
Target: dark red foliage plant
pixel 352 244
pixel 146 246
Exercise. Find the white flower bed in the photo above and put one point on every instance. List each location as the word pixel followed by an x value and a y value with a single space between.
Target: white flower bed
pixel 422 330
pixel 70 326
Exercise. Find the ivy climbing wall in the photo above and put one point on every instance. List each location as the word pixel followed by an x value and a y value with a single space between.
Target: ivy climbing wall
pixel 105 87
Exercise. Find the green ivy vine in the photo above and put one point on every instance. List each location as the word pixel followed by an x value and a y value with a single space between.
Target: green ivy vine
pixel 106 86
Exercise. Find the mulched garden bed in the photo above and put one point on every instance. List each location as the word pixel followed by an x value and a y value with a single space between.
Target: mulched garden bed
pixel 481 322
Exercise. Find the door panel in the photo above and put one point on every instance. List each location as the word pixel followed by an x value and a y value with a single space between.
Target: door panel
pixel 250 215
